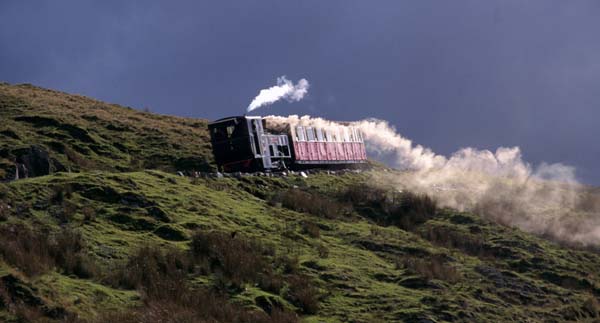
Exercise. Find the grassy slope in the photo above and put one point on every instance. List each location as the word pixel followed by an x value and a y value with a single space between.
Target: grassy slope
pixel 520 277
pixel 86 134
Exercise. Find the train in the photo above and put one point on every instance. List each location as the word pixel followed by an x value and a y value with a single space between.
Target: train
pixel 255 143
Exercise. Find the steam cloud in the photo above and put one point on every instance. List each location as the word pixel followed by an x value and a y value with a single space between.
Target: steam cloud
pixel 500 185
pixel 284 89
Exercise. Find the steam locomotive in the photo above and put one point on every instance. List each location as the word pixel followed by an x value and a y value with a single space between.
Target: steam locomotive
pixel 253 143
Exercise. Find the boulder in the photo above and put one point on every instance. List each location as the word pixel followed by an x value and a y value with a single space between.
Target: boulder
pixel 35 161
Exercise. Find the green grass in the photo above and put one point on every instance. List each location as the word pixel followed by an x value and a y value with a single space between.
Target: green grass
pixel 514 276
pixel 80 133
pixel 359 278
pixel 86 298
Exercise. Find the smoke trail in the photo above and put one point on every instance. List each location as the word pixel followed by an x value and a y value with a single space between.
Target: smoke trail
pixel 499 185
pixel 284 89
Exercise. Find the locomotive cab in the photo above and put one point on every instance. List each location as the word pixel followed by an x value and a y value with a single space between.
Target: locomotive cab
pixel 241 144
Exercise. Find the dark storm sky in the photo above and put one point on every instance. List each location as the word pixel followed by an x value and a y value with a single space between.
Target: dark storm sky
pixel 448 74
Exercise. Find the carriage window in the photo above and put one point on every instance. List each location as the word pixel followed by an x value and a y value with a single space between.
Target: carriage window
pixel 345 136
pixel 352 134
pixel 310 134
pixel 359 135
pixel 320 134
pixel 300 134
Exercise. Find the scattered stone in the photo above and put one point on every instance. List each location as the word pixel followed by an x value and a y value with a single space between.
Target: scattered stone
pixel 35 161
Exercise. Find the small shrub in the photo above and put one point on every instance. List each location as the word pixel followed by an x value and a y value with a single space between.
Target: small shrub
pixel 57 196
pixel 271 282
pixel 318 205
pixel 433 267
pixel 69 209
pixel 35 252
pixel 4 211
pixel 592 306
pixel 3 191
pixel 136 164
pixel 167 296
pixel 303 294
pixel 198 305
pixel 23 209
pixel 158 274
pixel 311 229
pixel 412 210
pixel 323 251
pixel 63 209
pixel 68 252
pixel 450 238
pixel 403 209
pixel 60 193
pixel 360 194
pixel 77 159
pixel 89 214
pixel 288 265
pixel 375 231
pixel 216 185
pixel 239 259
pixel 25 249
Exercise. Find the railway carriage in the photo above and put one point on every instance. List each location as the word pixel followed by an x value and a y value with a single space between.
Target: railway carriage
pixel 252 143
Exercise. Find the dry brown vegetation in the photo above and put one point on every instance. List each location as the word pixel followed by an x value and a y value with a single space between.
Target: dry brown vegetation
pixel 4 211
pixel 434 267
pixel 239 260
pixel 34 252
pixel 311 229
pixel 198 306
pixel 160 275
pixel 449 238
pixel 406 210
pixel 315 204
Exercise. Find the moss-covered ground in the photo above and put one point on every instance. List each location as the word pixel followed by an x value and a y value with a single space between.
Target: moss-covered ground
pixel 123 194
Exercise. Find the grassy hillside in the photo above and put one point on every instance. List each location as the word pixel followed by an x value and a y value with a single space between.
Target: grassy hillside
pixel 120 236
pixel 82 134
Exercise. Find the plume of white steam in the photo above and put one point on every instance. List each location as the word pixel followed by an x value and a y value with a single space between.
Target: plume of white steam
pixel 499 185
pixel 284 89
